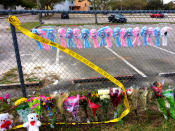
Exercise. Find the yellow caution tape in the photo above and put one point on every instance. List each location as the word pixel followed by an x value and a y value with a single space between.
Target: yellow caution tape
pixel 15 22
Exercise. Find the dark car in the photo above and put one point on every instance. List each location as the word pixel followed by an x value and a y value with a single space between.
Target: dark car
pixel 119 18
pixel 64 15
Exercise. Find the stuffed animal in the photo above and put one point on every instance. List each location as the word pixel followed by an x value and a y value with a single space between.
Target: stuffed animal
pixel 5 122
pixel 33 123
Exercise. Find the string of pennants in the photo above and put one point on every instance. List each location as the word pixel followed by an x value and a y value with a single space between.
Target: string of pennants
pixel 71 38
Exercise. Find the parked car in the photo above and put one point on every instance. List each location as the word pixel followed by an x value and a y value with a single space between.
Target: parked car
pixel 158 15
pixel 119 18
pixel 64 15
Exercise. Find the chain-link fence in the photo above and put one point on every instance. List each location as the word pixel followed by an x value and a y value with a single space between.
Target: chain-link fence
pixel 132 65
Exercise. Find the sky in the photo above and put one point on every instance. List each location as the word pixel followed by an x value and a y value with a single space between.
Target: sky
pixel 166 1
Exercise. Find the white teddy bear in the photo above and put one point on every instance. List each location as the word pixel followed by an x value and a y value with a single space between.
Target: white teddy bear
pixel 5 122
pixel 33 123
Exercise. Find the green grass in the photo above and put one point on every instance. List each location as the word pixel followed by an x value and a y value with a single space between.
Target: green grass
pixel 30 25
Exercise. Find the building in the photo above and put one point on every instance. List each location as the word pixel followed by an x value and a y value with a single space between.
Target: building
pixel 82 5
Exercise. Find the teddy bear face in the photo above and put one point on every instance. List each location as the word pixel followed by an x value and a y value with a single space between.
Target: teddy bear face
pixel 32 117
pixel 3 118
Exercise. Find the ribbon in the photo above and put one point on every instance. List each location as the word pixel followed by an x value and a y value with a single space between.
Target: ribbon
pixel 51 36
pixel 71 104
pixel 93 36
pixel 157 35
pixel 35 31
pixel 116 36
pixel 43 34
pixel 85 36
pixel 76 35
pixel 15 22
pixel 108 33
pixel 101 33
pixel 128 36
pixel 136 34
pixel 122 36
pixel 164 33
pixel 144 34
pixel 62 36
pixel 150 35
pixel 69 36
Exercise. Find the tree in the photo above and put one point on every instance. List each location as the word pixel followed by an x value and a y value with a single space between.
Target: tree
pixel 169 6
pixel 100 4
pixel 155 4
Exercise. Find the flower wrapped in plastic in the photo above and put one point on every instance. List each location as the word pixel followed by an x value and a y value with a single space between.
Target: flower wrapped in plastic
pixel 104 100
pixel 157 88
pixel 71 104
pixel 169 95
pixel 22 108
pixel 35 103
pixel 116 99
pixel 4 102
pixel 143 96
pixel 84 104
pixel 48 104
pixel 93 100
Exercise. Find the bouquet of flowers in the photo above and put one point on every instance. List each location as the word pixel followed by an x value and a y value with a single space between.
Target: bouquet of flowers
pixel 104 100
pixel 143 96
pixel 93 99
pixel 157 88
pixel 84 104
pixel 22 108
pixel 4 102
pixel 116 99
pixel 71 104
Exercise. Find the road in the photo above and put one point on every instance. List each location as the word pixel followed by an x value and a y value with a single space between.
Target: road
pixel 143 61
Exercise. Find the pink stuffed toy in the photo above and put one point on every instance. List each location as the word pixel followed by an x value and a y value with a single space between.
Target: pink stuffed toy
pixel 93 36
pixel 62 36
pixel 76 37
pixel 123 37
pixel 136 33
pixel 150 35
pixel 43 34
pixel 108 32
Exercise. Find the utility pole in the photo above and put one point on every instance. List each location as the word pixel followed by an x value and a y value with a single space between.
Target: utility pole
pixel 39 8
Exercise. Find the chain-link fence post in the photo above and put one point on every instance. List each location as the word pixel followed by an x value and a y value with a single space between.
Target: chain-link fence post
pixel 96 21
pixel 18 60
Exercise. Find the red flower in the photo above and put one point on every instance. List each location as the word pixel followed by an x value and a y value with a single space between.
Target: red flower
pixel 94 107
pixel 1 98
pixel 6 124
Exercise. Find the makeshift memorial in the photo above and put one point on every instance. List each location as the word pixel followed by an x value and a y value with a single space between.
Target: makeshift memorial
pixel 23 108
pixel 157 35
pixel 144 34
pixel 76 36
pixel 122 37
pixel 85 36
pixel 93 36
pixel 35 31
pixel 62 36
pixel 116 99
pixel 33 122
pixel 108 33
pixel 157 88
pixel 164 33
pixel 71 104
pixel 116 36
pixel 150 35
pixel 51 36
pixel 6 122
pixel 84 104
pixel 101 33
pixel 128 36
pixel 169 95
pixel 104 100
pixel 136 34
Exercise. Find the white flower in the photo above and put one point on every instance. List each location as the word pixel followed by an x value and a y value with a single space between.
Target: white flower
pixel 103 92
pixel 104 97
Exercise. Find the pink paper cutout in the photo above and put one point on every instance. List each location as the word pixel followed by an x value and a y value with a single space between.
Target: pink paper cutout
pixel 76 37
pixel 43 33
pixel 62 36
pixel 93 36
pixel 150 35
pixel 108 32
pixel 136 34
pixel 122 36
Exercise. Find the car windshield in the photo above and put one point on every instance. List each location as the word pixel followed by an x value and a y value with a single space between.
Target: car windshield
pixel 119 15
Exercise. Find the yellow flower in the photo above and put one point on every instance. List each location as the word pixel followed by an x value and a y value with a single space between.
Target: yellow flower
pixel 44 103
pixel 20 101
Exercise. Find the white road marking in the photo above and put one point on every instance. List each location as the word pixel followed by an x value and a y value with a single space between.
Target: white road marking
pixel 129 64
pixel 163 49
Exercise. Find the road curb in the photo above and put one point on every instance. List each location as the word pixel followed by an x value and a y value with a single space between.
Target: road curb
pixel 167 74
